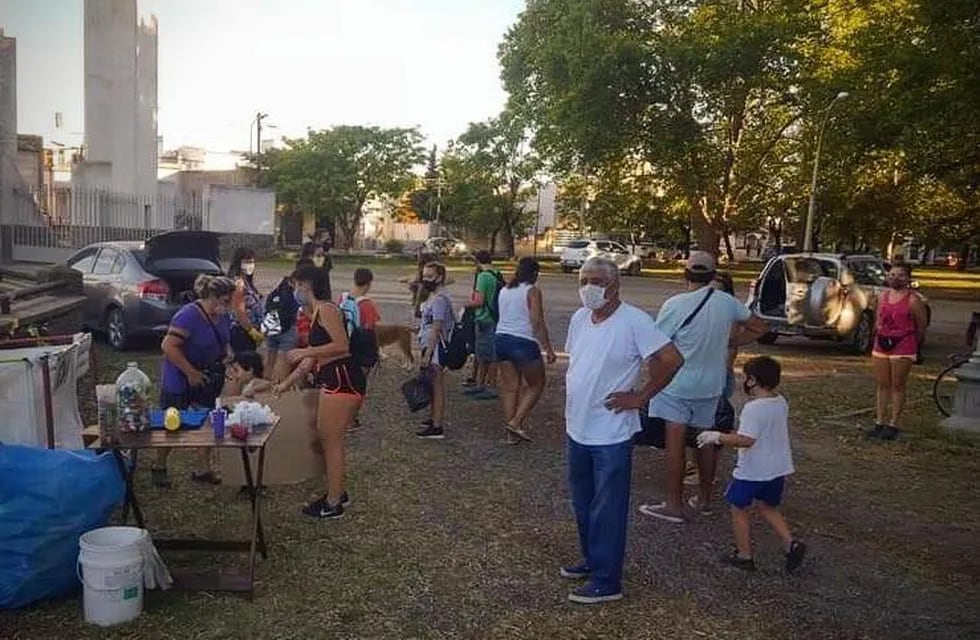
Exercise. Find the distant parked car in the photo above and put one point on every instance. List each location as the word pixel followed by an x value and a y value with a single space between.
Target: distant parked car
pixel 133 288
pixel 578 251
pixel 821 296
pixel 444 247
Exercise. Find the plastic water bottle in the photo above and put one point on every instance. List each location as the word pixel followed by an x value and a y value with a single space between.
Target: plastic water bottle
pixel 133 387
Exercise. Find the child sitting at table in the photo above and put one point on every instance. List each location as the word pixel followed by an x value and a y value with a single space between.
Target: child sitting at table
pixel 245 376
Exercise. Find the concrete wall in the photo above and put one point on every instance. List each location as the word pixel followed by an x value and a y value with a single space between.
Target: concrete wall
pixel 8 135
pixel 30 161
pixel 234 209
pixel 120 94
pixel 146 106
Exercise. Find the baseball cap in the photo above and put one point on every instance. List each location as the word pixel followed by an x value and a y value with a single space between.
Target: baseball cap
pixel 700 262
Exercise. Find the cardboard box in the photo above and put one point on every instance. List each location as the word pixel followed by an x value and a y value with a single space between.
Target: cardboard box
pixel 293 454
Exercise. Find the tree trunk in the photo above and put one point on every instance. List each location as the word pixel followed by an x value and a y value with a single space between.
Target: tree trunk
pixel 706 234
pixel 728 247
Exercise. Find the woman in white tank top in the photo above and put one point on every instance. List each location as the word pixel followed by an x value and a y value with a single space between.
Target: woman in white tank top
pixel 521 334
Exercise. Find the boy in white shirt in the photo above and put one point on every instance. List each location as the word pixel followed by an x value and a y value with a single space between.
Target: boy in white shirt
pixel 764 460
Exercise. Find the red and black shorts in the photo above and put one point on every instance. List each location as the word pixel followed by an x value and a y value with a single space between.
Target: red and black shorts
pixel 341 377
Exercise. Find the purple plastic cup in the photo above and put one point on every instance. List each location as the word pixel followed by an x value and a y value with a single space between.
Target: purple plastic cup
pixel 218 422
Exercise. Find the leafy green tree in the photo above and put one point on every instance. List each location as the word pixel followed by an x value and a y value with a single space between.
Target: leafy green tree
pixel 333 172
pixel 700 90
pixel 488 175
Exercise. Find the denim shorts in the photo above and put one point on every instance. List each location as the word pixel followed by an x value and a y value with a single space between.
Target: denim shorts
pixel 483 347
pixel 741 493
pixel 283 342
pixel 520 351
pixel 696 412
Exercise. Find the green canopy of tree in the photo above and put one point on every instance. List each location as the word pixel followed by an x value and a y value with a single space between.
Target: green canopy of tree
pixel 488 176
pixel 726 99
pixel 333 172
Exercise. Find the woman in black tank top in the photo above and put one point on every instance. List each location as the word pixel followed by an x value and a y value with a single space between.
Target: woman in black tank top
pixel 342 384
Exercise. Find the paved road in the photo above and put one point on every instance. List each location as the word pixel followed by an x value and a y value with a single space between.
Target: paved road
pixel 950 318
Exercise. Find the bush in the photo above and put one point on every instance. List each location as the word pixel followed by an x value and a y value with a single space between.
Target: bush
pixel 394 246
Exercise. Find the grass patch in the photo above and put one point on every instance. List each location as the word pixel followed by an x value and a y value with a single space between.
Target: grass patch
pixel 462 538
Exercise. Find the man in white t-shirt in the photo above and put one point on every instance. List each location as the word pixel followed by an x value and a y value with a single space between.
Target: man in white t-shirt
pixel 764 461
pixel 608 343
pixel 703 323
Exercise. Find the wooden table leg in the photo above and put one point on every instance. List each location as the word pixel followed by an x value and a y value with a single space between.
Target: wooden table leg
pixel 130 499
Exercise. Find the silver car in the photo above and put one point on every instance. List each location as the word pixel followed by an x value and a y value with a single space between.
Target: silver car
pixel 828 296
pixel 132 289
pixel 578 251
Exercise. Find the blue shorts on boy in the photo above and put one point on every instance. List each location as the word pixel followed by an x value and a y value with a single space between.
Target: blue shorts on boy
pixel 741 493
pixel 760 471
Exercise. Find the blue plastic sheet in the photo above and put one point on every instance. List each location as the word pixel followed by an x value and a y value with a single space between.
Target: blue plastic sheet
pixel 48 499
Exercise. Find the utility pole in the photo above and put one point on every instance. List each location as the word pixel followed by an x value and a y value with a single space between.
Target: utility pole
pixel 259 117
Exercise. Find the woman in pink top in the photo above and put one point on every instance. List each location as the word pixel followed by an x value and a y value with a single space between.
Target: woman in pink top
pixel 899 329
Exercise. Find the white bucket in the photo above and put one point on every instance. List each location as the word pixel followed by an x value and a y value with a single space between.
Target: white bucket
pixel 110 560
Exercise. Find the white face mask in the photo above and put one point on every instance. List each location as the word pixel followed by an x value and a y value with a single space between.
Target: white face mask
pixel 593 296
pixel 248 268
pixel 318 261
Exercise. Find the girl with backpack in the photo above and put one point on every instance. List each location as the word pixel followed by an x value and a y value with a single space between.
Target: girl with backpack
pixel 434 334
pixel 279 324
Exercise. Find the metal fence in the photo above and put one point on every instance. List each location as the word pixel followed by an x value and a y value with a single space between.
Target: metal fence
pixel 49 224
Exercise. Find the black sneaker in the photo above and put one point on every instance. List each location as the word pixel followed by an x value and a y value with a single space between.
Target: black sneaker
pixel 795 555
pixel 430 432
pixel 344 500
pixel 427 422
pixel 323 509
pixel 737 561
pixel 874 432
pixel 889 433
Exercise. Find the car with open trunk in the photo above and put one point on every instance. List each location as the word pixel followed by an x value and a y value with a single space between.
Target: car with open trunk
pixel 133 289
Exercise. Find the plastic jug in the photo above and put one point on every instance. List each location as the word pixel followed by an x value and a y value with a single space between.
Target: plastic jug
pixel 133 387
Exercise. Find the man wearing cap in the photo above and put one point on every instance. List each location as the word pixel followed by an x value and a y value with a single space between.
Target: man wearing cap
pixel 703 323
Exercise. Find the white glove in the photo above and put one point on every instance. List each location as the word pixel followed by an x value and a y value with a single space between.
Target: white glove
pixel 709 437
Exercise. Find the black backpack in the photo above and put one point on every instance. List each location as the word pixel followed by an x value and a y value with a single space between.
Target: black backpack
pixel 454 354
pixel 281 308
pixel 363 343
pixel 494 306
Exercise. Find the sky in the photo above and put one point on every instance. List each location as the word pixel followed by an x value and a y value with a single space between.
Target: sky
pixel 307 63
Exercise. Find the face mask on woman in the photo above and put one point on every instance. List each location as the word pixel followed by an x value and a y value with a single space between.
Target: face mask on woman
pixel 300 297
pixel 318 261
pixel 430 285
pixel 248 268
pixel 898 282
pixel 593 296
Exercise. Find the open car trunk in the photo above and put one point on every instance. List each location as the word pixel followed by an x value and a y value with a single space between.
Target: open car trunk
pixel 178 257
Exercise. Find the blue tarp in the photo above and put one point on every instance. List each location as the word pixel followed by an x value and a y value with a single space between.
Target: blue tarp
pixel 48 499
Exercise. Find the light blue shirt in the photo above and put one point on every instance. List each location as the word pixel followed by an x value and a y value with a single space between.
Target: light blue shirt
pixel 703 342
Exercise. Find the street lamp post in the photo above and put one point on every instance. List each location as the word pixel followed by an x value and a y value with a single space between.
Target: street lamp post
pixel 259 117
pixel 808 232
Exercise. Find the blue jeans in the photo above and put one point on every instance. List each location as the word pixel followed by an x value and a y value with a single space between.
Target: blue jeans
pixel 599 477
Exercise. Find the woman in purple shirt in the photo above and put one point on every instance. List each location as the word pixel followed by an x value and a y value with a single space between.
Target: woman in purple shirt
pixel 194 352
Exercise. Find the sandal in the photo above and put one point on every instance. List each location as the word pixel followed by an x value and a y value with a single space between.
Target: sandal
pixel 659 511
pixel 518 432
pixel 694 503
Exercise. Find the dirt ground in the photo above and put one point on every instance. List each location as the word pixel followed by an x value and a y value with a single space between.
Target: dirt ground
pixel 463 538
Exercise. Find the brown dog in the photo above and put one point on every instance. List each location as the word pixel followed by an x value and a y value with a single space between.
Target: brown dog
pixel 398 335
